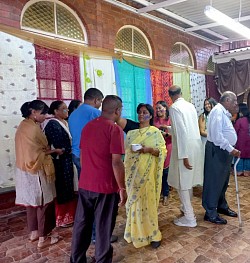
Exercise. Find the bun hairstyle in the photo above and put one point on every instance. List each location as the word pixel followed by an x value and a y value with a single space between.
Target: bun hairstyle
pixel 54 106
pixel 38 105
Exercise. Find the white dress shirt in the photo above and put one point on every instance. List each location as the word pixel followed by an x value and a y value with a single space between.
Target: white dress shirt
pixel 220 129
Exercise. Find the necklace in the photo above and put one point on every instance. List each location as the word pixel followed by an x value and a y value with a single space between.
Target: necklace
pixel 141 133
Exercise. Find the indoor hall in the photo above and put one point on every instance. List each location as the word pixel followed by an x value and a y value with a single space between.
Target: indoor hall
pixel 56 50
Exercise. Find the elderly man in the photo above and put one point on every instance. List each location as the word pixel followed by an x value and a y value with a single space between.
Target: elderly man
pixel 218 157
pixel 187 159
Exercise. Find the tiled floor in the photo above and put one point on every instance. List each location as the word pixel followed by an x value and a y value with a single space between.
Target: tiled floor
pixel 205 243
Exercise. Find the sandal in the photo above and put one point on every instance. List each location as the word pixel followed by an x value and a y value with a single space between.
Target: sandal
pixel 48 241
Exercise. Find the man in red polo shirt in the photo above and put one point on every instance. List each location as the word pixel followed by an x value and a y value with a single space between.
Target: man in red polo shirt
pixel 101 183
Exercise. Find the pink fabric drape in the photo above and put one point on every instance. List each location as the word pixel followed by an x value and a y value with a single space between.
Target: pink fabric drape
pixel 161 81
pixel 58 75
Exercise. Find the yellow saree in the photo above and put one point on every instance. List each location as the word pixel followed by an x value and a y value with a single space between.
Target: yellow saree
pixel 143 184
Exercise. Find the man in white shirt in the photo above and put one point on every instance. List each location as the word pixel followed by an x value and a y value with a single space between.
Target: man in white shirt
pixel 187 158
pixel 218 158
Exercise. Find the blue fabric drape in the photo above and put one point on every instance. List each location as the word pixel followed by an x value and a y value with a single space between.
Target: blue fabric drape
pixel 133 86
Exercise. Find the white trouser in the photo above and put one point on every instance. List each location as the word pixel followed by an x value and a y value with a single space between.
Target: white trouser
pixel 186 197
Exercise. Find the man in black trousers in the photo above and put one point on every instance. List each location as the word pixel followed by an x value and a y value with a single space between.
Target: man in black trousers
pixel 218 158
pixel 101 184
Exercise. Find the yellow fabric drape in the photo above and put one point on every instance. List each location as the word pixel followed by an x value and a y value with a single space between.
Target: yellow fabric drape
pixel 143 184
pixel 31 143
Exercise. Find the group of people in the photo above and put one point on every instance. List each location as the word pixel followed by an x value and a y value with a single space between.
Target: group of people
pixel 45 172
pixel 170 153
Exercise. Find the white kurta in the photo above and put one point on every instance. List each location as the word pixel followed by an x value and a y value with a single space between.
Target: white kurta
pixel 33 190
pixel 186 143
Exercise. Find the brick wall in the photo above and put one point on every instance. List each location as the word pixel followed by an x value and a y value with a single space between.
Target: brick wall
pixel 102 21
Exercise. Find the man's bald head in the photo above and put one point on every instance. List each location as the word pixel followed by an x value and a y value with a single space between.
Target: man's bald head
pixel 111 103
pixel 174 92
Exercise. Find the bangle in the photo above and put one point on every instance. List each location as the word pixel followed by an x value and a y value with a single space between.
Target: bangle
pixel 121 189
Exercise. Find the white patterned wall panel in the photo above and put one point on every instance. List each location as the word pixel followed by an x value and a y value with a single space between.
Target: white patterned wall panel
pixel 17 85
pixel 198 91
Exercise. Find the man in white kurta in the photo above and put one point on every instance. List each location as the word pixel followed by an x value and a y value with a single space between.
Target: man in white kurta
pixel 187 159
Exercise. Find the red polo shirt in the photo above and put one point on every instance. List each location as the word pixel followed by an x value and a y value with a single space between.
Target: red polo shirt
pixel 100 139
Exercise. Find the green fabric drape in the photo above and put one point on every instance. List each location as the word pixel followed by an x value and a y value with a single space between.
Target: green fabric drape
pixel 183 80
pixel 133 86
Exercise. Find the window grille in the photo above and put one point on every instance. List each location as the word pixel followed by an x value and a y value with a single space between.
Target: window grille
pixel 53 18
pixel 131 41
pixel 210 65
pixel 181 55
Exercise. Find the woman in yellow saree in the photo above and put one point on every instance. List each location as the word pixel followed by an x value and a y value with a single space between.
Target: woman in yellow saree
pixel 143 170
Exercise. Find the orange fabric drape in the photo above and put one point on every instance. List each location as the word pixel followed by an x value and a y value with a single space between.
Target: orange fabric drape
pixel 161 81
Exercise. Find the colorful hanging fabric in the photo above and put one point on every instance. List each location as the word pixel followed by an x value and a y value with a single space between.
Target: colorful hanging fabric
pixel 99 73
pixel 161 81
pixel 198 91
pixel 183 80
pixel 133 86
pixel 58 75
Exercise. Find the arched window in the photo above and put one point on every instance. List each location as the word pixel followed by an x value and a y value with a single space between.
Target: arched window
pixel 53 18
pixel 210 65
pixel 181 55
pixel 131 41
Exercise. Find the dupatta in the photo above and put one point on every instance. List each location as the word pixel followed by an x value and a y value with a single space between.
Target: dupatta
pixel 31 144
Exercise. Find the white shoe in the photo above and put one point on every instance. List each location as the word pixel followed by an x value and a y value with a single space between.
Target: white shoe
pixel 182 209
pixel 183 221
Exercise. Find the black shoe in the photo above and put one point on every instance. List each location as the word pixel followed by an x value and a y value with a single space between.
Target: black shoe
pixel 216 220
pixel 227 212
pixel 113 239
pixel 155 244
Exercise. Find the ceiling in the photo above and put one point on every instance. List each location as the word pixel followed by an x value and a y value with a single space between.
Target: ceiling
pixel 188 16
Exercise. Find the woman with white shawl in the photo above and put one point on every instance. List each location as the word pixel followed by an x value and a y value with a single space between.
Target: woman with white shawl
pixel 58 135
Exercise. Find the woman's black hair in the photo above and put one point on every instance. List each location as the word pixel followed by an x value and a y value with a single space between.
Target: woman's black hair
pixel 212 103
pixel 150 109
pixel 205 111
pixel 74 104
pixel 243 109
pixel 27 107
pixel 164 104
pixel 55 106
